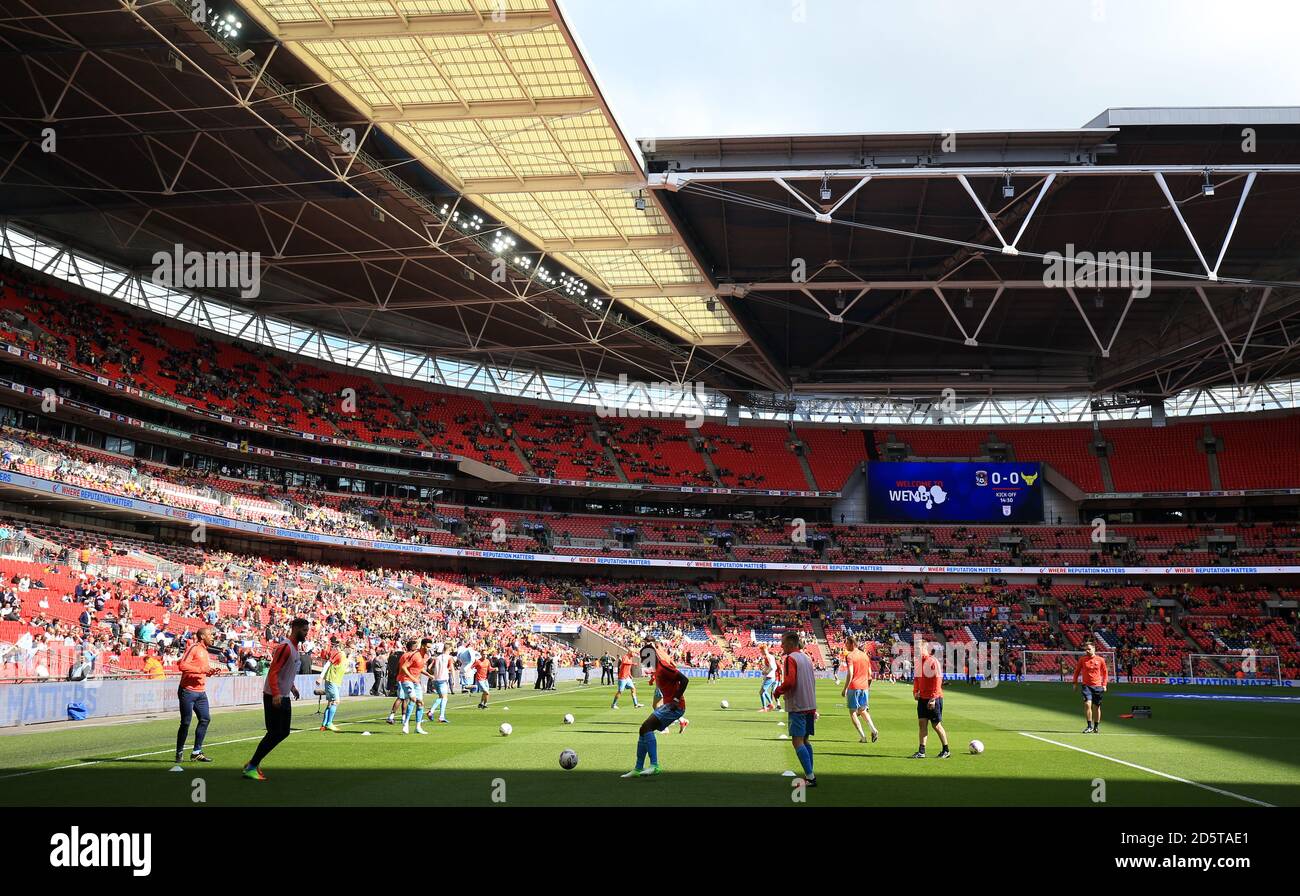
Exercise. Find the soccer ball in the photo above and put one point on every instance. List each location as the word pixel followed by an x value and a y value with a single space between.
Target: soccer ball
pixel 977 747
pixel 725 705
pixel 506 729
pixel 568 718
pixel 568 760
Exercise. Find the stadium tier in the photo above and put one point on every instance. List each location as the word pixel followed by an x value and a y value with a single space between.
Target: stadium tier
pixel 547 442
pixel 429 522
pixel 69 592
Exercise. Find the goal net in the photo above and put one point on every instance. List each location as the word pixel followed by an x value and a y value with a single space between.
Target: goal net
pixel 1243 665
pixel 1059 664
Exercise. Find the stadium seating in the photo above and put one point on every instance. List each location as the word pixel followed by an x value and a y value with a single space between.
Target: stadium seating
pixel 458 424
pixel 1066 450
pixel 175 588
pixel 746 612
pixel 1138 451
pixel 659 452
pixel 754 457
pixel 231 378
pixel 950 442
pixel 1259 453
pixel 833 455
pixel 366 414
pixel 558 444
pixel 408 520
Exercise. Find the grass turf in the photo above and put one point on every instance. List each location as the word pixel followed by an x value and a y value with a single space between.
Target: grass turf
pixel 726 757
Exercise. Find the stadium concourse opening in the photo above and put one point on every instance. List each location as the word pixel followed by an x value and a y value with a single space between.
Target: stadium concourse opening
pixel 380 425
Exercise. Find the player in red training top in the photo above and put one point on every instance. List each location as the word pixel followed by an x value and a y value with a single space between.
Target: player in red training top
pixel 626 663
pixel 672 686
pixel 927 688
pixel 410 669
pixel 1092 669
pixel 857 688
pixel 481 666
pixel 195 667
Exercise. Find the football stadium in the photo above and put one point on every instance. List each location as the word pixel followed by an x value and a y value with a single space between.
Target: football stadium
pixel 385 424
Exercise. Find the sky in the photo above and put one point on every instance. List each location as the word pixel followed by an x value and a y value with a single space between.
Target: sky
pixel 674 68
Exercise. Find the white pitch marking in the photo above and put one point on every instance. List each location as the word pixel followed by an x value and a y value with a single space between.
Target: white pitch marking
pixel 1152 771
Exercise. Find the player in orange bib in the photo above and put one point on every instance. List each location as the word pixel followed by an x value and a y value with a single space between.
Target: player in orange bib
pixel 409 672
pixel 481 667
pixel 626 665
pixel 856 691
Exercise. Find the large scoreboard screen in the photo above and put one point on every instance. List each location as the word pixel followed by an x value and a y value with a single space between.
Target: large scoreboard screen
pixel 912 492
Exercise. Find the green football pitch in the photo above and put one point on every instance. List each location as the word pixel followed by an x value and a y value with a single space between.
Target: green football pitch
pixel 1193 751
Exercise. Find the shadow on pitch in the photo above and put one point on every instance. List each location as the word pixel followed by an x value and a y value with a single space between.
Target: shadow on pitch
pixel 630 723
pixel 149 784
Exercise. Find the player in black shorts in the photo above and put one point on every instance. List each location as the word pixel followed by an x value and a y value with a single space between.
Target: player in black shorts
pixel 927 689
pixel 1091 670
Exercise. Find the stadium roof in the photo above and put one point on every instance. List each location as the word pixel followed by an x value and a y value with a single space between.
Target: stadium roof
pixel 902 263
pixel 1195 115
pixel 496 100
pixel 380 156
